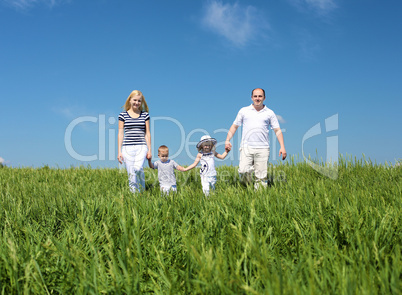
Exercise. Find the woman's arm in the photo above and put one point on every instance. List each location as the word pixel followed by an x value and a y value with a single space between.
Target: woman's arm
pixel 197 160
pixel 120 137
pixel 148 139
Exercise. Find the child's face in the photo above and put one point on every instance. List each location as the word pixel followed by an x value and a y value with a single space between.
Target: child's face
pixel 206 147
pixel 163 156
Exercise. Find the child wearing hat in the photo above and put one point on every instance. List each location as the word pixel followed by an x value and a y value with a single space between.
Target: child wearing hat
pixel 206 154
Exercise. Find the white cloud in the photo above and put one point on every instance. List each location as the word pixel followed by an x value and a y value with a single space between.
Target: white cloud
pixel 88 120
pixel 1 160
pixel 280 119
pixel 321 7
pixel 68 112
pixel 308 46
pixel 71 112
pixel 27 4
pixel 238 24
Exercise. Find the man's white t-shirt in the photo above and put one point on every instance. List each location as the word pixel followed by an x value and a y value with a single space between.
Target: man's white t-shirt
pixel 256 126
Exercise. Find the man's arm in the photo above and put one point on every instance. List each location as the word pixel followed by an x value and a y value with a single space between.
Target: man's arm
pixel 279 136
pixel 231 133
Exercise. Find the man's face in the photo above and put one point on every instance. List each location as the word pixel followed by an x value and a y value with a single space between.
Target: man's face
pixel 258 97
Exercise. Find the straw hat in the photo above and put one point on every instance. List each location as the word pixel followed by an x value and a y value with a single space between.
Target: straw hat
pixel 206 138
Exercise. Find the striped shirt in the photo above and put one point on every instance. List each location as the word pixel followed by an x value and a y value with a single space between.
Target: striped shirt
pixel 134 128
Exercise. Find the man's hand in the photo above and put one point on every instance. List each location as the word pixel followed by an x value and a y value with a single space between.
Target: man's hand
pixel 282 152
pixel 228 146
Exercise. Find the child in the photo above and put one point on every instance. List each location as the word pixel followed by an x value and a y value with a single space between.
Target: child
pixel 167 179
pixel 206 154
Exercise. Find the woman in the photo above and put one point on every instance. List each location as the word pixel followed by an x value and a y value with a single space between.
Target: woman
pixel 134 139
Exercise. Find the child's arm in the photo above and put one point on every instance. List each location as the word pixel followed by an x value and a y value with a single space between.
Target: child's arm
pixel 223 156
pixel 197 160
pixel 150 163
pixel 180 168
pixel 177 166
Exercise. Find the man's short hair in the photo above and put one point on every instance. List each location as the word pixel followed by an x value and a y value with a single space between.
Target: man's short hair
pixel 163 149
pixel 252 92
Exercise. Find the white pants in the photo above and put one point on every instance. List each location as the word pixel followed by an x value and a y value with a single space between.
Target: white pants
pixel 208 182
pixel 254 160
pixel 134 157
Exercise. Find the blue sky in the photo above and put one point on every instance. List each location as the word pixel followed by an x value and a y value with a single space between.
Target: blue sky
pixel 67 67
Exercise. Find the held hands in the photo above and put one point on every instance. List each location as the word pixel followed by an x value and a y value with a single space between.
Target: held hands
pixel 228 146
pixel 149 155
pixel 150 164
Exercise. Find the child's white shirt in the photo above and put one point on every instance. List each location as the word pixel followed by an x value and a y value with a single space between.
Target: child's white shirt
pixel 207 162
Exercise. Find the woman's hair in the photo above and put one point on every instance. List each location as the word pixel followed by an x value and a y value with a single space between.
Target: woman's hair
pixel 144 106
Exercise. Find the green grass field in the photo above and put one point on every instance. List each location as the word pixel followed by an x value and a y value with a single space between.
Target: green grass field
pixel 80 231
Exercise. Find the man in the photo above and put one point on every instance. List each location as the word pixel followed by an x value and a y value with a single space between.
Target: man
pixel 254 148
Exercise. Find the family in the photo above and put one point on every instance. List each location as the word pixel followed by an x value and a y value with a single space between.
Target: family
pixel 134 146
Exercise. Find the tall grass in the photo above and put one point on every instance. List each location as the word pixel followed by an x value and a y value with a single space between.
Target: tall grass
pixel 80 231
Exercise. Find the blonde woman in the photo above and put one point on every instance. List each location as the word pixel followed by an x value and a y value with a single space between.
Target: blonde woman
pixel 134 139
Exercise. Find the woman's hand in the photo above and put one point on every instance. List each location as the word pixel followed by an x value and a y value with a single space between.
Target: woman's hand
pixel 149 155
pixel 120 158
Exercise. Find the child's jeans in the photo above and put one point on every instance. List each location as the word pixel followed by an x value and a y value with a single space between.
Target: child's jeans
pixel 208 182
